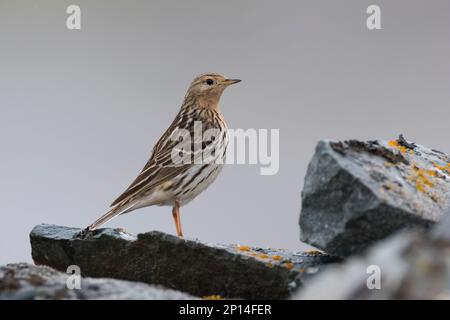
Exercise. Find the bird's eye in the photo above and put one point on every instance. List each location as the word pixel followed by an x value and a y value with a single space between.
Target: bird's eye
pixel 209 82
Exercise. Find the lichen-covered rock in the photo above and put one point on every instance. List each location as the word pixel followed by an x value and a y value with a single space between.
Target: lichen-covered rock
pixel 201 269
pixel 23 281
pixel 409 265
pixel 356 193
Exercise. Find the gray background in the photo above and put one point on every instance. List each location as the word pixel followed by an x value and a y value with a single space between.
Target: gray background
pixel 81 110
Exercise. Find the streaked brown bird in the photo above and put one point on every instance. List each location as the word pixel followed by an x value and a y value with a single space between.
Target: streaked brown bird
pixel 174 175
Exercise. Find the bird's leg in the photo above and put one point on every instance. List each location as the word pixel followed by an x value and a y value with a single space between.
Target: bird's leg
pixel 176 217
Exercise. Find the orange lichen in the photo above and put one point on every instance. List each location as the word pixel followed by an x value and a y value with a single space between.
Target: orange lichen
pixel 277 257
pixel 393 143
pixel 263 256
pixel 243 248
pixel 421 178
pixel 396 145
pixel 213 297
pixel 442 168
pixel 432 173
pixel 289 265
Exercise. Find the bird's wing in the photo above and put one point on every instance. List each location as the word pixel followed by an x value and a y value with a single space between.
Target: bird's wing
pixel 160 167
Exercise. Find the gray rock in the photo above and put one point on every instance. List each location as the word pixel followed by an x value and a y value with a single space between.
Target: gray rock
pixel 356 192
pixel 201 269
pixel 23 281
pixel 349 280
pixel 411 264
pixel 441 232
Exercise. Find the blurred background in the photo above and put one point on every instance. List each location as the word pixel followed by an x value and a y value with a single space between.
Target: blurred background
pixel 82 109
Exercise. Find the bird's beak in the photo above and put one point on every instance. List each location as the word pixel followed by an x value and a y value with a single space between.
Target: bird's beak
pixel 228 82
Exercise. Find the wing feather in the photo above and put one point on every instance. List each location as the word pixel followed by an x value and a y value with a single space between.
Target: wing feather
pixel 160 167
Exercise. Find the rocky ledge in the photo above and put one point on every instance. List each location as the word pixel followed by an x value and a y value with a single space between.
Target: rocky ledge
pixel 191 266
pixel 23 281
pixel 358 192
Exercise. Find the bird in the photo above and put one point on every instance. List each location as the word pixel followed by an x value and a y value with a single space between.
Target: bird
pixel 182 163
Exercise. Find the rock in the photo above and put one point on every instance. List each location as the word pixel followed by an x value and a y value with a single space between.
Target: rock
pixel 441 232
pixel 411 265
pixel 24 281
pixel 356 193
pixel 201 269
pixel 349 280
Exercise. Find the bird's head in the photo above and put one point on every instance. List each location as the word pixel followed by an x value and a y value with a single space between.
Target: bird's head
pixel 207 89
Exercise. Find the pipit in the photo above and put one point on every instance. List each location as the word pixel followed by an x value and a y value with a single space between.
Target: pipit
pixel 174 176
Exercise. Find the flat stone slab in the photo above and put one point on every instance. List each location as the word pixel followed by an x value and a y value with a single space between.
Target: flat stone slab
pixel 22 281
pixel 358 192
pixel 198 268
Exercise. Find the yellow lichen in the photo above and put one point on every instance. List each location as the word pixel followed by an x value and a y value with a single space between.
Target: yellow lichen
pixel 212 297
pixel 393 143
pixel 289 265
pixel 243 248
pixel 442 168
pixel 270 265
pixel 277 257
pixel 421 178
pixel 432 173
pixel 263 256
pixel 396 145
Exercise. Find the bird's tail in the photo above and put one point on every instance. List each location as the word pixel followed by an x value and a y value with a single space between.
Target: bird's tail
pixel 114 212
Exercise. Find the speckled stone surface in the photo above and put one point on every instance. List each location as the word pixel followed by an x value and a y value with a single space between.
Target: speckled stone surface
pixel 188 265
pixel 356 192
pixel 22 281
